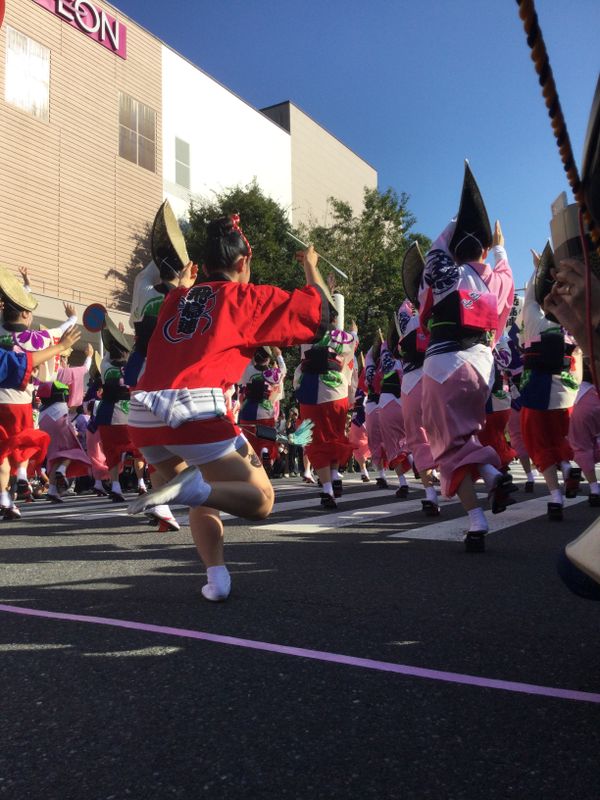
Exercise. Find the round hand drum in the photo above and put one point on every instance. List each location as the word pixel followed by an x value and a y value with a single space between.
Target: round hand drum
pixel 94 315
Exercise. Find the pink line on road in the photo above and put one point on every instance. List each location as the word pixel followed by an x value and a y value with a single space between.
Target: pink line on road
pixel 316 655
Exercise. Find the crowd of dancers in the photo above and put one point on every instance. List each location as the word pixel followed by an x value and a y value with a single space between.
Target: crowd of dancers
pixel 467 378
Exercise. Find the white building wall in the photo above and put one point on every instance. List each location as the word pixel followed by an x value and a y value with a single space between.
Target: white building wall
pixel 231 143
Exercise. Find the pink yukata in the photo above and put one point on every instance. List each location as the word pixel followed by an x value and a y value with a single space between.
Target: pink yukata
pixel 458 371
pixel 74 378
pixel 412 345
pixel 373 378
pixel 584 428
pixel 391 416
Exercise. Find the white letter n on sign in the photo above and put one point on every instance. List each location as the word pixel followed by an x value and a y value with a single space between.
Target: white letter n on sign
pixel 107 31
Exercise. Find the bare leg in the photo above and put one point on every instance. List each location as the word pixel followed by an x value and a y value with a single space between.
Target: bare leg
pixel 551 478
pixel 207 532
pixel 466 494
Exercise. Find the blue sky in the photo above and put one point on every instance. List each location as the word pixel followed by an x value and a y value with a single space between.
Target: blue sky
pixel 412 87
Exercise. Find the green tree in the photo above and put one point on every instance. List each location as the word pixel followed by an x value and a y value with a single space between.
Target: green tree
pixel 369 248
pixel 265 224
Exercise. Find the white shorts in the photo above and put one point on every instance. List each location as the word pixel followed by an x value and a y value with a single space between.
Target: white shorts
pixel 193 454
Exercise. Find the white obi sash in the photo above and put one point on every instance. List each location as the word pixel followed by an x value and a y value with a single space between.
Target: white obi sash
pixel 174 407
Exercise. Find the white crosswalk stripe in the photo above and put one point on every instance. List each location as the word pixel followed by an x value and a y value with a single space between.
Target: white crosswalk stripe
pixel 297 510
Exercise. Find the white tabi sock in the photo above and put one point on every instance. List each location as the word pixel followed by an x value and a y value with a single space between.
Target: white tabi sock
pixel 489 475
pixel 62 469
pixel 219 584
pixel 328 488
pixel 402 480
pixel 52 490
pixel 594 488
pixel 365 471
pixel 565 468
pixel 5 499
pixel 381 473
pixel 530 476
pixel 477 520
pixel 557 497
pixel 141 483
pixel 98 485
pixel 21 473
pixel 431 494
pixel 115 487
pixel 335 475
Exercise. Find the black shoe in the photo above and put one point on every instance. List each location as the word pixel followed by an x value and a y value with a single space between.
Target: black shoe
pixel 327 501
pixel 24 491
pixel 10 513
pixel 529 486
pixel 100 493
pixel 365 479
pixel 338 489
pixel 572 482
pixel 500 494
pixel 54 498
pixel 594 500
pixel 430 509
pixel 402 492
pixel 555 511
pixel 116 497
pixel 382 483
pixel 475 542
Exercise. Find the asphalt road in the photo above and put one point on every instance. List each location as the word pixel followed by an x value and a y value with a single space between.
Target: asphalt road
pixel 96 711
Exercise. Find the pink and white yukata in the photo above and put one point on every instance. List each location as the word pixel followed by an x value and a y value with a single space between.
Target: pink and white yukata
pixel 391 416
pixel 373 378
pixel 584 428
pixel 463 303
pixel 412 345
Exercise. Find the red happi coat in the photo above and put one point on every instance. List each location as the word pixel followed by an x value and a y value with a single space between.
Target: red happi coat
pixel 206 335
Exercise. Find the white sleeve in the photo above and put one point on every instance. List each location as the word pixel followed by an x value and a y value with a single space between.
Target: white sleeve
pixel 68 323
pixel 282 366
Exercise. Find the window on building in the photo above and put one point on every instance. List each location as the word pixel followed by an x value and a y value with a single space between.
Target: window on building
pixel 137 132
pixel 182 163
pixel 27 81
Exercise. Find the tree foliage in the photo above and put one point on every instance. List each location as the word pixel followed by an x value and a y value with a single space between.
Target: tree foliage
pixel 265 225
pixel 369 248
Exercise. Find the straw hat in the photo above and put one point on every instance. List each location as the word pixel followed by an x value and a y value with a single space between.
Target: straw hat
pixel 111 333
pixel 472 221
pixel 413 265
pixel 167 242
pixel 12 290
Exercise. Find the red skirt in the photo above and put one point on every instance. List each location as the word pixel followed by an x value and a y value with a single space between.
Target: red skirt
pixel 493 435
pixel 116 440
pixel 545 436
pixel 19 440
pixel 330 444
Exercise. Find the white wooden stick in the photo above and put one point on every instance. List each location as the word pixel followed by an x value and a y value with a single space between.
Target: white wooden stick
pixel 300 242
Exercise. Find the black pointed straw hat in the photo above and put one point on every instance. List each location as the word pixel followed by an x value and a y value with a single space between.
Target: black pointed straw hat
pixel 472 221
pixel 543 280
pixel 413 265
pixel 167 243
pixel 590 171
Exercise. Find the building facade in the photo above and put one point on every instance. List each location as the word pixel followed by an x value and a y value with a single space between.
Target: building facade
pixel 97 128
pixel 322 167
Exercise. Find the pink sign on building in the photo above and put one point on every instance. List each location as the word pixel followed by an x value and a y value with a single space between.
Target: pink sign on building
pixel 91 20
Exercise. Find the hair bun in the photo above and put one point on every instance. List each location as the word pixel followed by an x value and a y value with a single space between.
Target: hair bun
pixel 218 228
